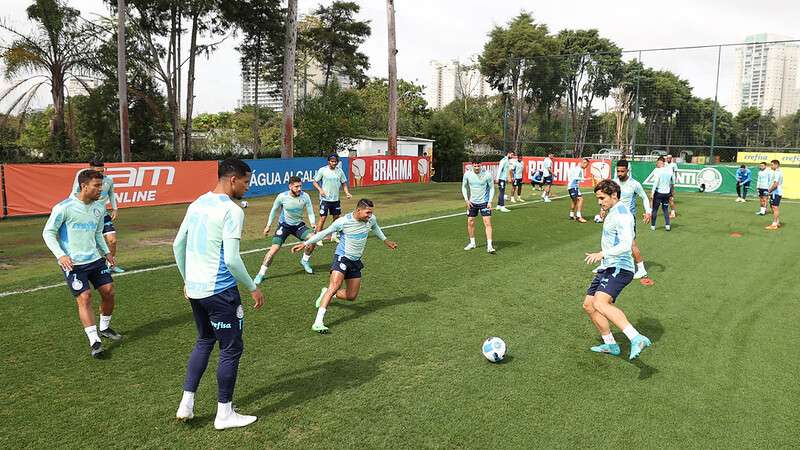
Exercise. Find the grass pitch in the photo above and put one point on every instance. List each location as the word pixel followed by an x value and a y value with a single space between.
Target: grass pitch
pixel 402 366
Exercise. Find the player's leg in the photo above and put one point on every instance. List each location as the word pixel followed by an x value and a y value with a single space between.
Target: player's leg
pixel 198 359
pixel 334 237
pixel 572 205
pixel 487 225
pixel 277 242
pixel 579 208
pixel 86 315
pixel 107 303
pixel 665 208
pixel 111 241
pixel 674 211
pixel 775 201
pixel 637 258
pixel 327 294
pixel 303 233
pixel 600 322
pixel 352 287
pixel 738 191
pixel 604 303
pixel 470 230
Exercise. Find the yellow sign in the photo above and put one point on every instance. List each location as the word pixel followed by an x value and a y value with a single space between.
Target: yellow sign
pixel 791 182
pixel 790 159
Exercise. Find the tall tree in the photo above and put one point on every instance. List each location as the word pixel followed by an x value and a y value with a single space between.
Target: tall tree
pixel 122 87
pixel 392 78
pixel 60 48
pixel 334 40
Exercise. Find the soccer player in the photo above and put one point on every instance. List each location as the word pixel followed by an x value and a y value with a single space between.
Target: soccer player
pixel 743 177
pixel 547 176
pixel 616 272
pixel 332 178
pixel 74 233
pixel 106 196
pixel 516 187
pixel 662 189
pixel 763 183
pixel 576 176
pixel 207 255
pixel 354 229
pixel 291 203
pixel 672 167
pixel 537 181
pixel 629 189
pixel 775 193
pixel 504 176
pixel 479 200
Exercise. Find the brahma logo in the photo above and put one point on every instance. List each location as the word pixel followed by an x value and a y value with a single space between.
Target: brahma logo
pixel 391 170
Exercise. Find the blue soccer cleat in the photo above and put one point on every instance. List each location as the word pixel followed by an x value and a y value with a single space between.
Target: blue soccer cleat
pixel 306 266
pixel 611 349
pixel 638 344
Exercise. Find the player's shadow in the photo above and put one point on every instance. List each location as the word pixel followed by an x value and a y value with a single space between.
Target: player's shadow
pixel 358 310
pixel 653 329
pixel 500 245
pixel 300 386
pixel 653 266
pixel 319 268
pixel 148 329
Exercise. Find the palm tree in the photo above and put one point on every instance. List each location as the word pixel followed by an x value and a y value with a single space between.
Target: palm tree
pixel 58 49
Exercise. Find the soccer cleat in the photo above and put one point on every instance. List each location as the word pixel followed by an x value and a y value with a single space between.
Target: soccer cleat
pixel 521 200
pixel 513 200
pixel 580 219
pixel 490 250
pixel 639 343
pixel 667 227
pixel 503 209
pixel 641 273
pixel 306 266
pixel 117 269
pixel 470 246
pixel 185 412
pixel 97 350
pixel 109 333
pixel 759 213
pixel 319 328
pixel 259 278
pixel 547 200
pixel 571 217
pixel 653 227
pixel 772 227
pixel 319 299
pixel 233 420
pixel 611 349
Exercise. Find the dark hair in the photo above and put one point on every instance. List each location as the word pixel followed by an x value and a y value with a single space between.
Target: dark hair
pixel 364 203
pixel 775 161
pixel 622 163
pixel 763 162
pixel 87 175
pixel 233 167
pixel 475 161
pixel 742 166
pixel 295 179
pixel 333 156
pixel 96 163
pixel 661 158
pixel 608 187
pixel 586 159
pixel 509 152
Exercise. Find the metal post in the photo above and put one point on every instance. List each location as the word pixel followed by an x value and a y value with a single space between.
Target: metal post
pixel 505 119
pixel 122 77
pixel 714 113
pixel 636 112
pixel 3 213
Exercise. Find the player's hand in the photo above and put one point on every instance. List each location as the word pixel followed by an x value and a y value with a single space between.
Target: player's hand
pixel 66 263
pixel 489 205
pixel 185 293
pixel 647 217
pixel 348 195
pixel 322 193
pixel 266 230
pixel 592 258
pixel 257 297
pixel 113 214
pixel 111 260
pixel 391 244
pixel 297 247
pixel 469 204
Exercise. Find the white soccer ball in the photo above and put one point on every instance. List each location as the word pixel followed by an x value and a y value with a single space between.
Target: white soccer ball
pixel 598 219
pixel 244 203
pixel 494 349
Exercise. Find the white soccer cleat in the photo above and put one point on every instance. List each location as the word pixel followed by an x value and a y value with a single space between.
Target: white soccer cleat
pixel 513 200
pixel 667 227
pixel 640 274
pixel 547 200
pixel 470 246
pixel 521 200
pixel 233 420
pixel 185 412
pixel 490 250
pixel 503 209
pixel 653 227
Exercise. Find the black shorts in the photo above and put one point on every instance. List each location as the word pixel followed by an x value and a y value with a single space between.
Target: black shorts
pixel 775 199
pixel 220 316
pixel 548 180
pixel 96 272
pixel 763 192
pixel 537 183
pixel 611 281
pixel 300 231
pixel 574 193
pixel 517 182
pixel 330 208
pixel 108 225
pixel 501 184
pixel 350 269
pixel 482 208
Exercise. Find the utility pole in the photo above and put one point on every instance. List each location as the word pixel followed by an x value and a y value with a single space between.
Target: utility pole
pixel 392 79
pixel 287 151
pixel 122 77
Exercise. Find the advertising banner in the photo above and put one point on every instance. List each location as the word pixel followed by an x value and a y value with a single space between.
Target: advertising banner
pixel 788 159
pixel 271 176
pixel 717 179
pixel 377 170
pixel 597 169
pixel 35 188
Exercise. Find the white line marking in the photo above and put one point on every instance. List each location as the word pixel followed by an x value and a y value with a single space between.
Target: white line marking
pixel 254 250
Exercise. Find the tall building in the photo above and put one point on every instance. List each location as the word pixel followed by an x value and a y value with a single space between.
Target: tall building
pixel 766 75
pixel 450 80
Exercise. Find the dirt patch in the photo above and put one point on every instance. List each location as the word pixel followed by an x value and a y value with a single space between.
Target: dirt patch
pixel 155 242
pixel 4 266
pixel 736 234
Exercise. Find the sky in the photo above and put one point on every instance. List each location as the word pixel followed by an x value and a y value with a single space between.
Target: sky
pixel 457 29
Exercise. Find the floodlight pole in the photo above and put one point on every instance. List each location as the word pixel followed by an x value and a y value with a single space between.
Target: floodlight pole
pixel 714 113
pixel 122 77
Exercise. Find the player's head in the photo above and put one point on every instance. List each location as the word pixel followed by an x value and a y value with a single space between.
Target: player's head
pixel 549 154
pixel 234 174
pixel 660 161
pixel 775 164
pixel 584 163
pixel 622 169
pixel 742 166
pixel 669 158
pixel 295 185
pixel 510 154
pixel 363 210
pixel 762 165
pixel 519 156
pixel 607 193
pixel 97 165
pixel 476 166
pixel 91 183
pixel 333 160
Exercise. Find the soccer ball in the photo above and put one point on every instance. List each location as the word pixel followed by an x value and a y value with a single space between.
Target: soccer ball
pixel 494 349
pixel 244 203
pixel 598 219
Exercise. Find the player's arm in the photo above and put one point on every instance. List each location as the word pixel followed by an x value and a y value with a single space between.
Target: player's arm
pixel 315 183
pixel 379 233
pixel 648 210
pixel 276 206
pixel 312 241
pixel 50 236
pixel 465 190
pixel 231 238
pixel 343 179
pixel 179 248
pixel 773 186
pixel 100 241
pixel 491 193
pixel 113 200
pixel 312 219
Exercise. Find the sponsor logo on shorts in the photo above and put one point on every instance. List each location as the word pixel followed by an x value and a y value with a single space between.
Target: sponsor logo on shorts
pixel 220 325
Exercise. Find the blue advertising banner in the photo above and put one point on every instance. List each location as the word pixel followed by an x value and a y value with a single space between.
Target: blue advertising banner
pixel 271 176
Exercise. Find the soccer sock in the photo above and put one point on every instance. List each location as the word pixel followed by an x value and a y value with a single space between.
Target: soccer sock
pixel 262 271
pixel 489 243
pixel 188 399
pixel 608 338
pixel 105 321
pixel 471 241
pixel 306 257
pixel 571 214
pixel 578 214
pixel 320 316
pixel 91 333
pixel 224 409
pixel 630 332
pixel 640 265
pixel 763 210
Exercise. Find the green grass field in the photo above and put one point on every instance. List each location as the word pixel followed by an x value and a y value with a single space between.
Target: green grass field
pixel 402 366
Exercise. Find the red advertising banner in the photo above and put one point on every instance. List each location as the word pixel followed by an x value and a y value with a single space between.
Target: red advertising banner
pixel 35 188
pixel 598 169
pixel 375 170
